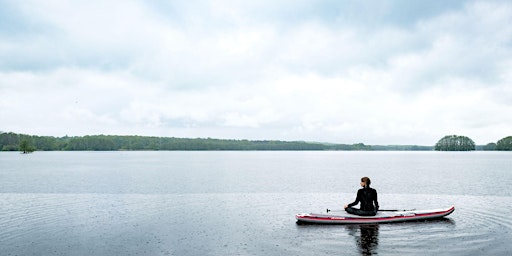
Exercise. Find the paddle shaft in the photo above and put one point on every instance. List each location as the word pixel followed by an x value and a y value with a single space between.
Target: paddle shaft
pixel 395 210
pixel 383 210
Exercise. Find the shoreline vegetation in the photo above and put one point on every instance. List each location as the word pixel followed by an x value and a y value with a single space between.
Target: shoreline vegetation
pixel 13 142
pixel 28 143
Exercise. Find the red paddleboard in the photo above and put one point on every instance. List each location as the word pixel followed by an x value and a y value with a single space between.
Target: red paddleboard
pixel 381 217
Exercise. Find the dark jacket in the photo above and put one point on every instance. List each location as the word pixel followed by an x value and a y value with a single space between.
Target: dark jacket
pixel 367 196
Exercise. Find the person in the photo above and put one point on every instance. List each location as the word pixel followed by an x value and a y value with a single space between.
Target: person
pixel 367 197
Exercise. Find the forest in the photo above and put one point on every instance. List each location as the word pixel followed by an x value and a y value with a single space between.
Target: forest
pixel 27 143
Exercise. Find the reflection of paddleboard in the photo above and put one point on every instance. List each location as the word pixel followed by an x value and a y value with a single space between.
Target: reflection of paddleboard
pixel 381 217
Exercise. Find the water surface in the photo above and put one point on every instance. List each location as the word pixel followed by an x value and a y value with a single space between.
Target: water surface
pixel 243 203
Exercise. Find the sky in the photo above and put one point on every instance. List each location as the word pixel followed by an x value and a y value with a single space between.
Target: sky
pixel 381 72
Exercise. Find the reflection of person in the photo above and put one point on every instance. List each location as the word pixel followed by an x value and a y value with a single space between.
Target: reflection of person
pixel 369 239
pixel 367 197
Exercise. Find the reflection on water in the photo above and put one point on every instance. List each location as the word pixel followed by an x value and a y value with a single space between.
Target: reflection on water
pixel 366 236
pixel 397 236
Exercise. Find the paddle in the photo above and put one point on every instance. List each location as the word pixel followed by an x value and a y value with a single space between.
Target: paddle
pixel 383 210
pixel 396 210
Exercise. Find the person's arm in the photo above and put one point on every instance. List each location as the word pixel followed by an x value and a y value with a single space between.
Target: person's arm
pixel 358 197
pixel 376 201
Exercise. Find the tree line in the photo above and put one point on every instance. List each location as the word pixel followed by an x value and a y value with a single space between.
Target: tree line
pixel 503 144
pixel 28 143
pixel 22 142
pixel 463 143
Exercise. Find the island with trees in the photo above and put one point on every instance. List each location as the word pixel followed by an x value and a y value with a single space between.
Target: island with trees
pixel 455 143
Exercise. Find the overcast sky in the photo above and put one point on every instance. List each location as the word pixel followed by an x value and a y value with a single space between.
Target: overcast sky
pixel 376 72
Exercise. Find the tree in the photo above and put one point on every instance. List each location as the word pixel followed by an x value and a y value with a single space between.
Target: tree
pixel 9 142
pixel 504 144
pixel 455 143
pixel 25 147
pixel 490 146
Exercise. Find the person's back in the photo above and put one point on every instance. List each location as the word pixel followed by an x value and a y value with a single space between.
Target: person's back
pixel 367 197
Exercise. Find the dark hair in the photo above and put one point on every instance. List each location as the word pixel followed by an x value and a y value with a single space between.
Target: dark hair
pixel 366 180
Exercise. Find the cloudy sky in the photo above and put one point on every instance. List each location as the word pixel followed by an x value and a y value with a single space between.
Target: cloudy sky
pixel 376 72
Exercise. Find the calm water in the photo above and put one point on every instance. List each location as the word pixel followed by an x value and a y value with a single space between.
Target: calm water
pixel 243 203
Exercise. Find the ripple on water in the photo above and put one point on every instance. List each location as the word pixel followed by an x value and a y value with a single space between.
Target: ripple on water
pixel 483 227
pixel 226 224
pixel 26 214
pixel 474 228
pixel 63 224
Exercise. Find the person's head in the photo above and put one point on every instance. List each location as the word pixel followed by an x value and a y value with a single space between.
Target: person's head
pixel 365 182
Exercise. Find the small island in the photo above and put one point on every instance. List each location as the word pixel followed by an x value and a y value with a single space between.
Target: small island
pixel 455 143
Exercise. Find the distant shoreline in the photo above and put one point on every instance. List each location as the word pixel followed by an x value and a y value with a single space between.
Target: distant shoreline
pixel 11 142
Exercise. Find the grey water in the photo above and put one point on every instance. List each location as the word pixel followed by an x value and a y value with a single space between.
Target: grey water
pixel 243 203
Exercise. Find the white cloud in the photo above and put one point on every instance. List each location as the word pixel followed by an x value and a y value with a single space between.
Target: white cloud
pixel 259 70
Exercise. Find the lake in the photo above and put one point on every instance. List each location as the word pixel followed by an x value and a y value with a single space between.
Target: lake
pixel 243 203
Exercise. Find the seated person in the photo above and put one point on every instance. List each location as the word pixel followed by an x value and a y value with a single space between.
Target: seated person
pixel 367 197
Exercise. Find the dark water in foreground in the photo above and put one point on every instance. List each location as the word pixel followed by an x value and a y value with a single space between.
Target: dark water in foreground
pixel 243 203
